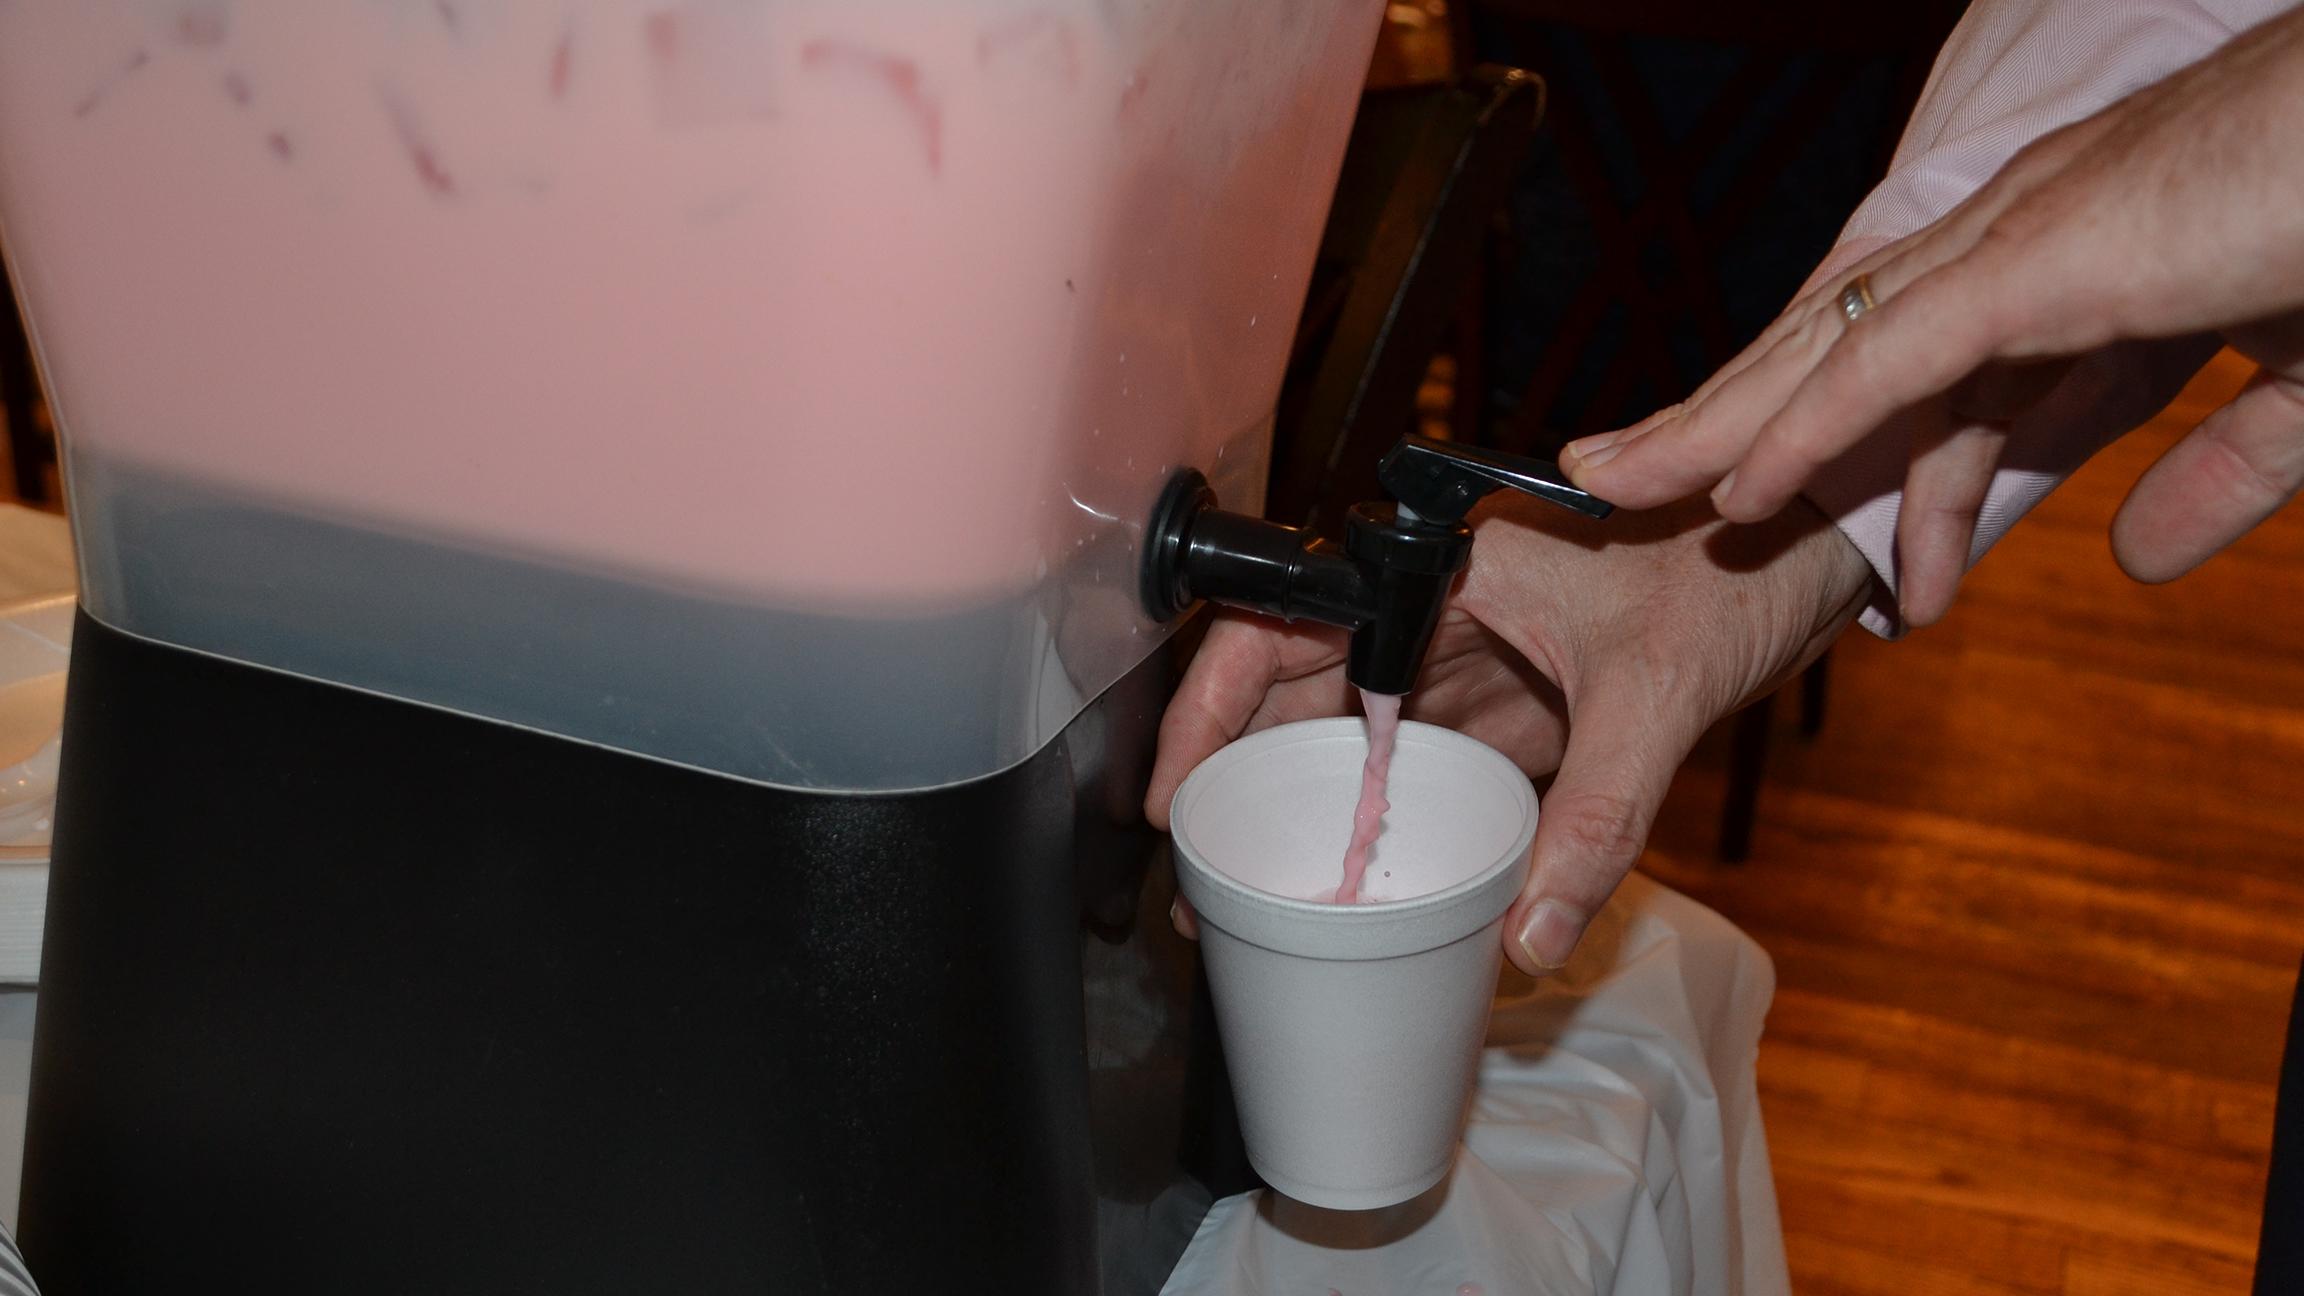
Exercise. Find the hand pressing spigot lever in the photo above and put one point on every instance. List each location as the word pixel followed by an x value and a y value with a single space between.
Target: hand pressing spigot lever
pixel 1387 582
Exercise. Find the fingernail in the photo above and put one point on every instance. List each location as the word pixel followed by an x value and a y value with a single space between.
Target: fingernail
pixel 1601 455
pixel 1721 492
pixel 1919 611
pixel 1549 933
pixel 1583 448
pixel 1908 601
pixel 1600 446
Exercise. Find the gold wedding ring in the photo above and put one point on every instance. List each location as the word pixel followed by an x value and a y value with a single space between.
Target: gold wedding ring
pixel 1856 299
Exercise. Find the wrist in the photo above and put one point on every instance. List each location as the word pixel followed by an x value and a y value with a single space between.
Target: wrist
pixel 1845 582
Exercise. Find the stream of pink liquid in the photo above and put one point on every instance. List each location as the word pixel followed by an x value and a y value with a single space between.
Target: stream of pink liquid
pixel 1368 817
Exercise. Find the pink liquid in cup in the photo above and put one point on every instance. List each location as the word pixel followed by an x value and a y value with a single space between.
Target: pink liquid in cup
pixel 1368 817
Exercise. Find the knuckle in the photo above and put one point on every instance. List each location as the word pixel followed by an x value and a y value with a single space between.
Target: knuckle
pixel 2290 393
pixel 1807 436
pixel 2035 161
pixel 1815 333
pixel 1602 825
pixel 2041 159
pixel 2250 477
pixel 1942 511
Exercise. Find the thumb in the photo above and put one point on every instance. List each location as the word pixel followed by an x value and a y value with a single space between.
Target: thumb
pixel 1624 744
pixel 1221 692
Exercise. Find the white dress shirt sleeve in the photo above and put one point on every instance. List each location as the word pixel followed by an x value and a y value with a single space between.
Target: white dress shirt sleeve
pixel 2013 71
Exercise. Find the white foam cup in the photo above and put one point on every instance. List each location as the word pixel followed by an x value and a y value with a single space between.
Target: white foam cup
pixel 1352 1031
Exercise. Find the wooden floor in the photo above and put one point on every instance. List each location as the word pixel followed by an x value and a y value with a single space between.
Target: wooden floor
pixel 2036 901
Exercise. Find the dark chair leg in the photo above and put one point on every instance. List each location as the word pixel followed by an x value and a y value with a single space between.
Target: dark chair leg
pixel 2280 1250
pixel 19 398
pixel 1747 762
pixel 1815 683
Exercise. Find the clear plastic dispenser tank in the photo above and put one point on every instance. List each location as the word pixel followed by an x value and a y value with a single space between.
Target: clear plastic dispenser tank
pixel 776 387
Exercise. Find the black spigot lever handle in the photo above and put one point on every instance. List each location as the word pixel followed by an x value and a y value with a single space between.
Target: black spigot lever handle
pixel 1439 481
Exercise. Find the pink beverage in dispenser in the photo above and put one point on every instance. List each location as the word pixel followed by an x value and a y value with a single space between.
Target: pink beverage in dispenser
pixel 779 389
pixel 785 328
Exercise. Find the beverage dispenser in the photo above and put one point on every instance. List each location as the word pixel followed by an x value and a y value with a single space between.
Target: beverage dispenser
pixel 612 687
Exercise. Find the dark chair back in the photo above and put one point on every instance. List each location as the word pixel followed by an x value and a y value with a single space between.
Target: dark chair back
pixel 1425 174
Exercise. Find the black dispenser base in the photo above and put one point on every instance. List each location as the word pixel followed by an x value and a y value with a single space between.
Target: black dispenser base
pixel 344 996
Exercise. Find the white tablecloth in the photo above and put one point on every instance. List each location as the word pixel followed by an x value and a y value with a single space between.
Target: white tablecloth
pixel 1615 1146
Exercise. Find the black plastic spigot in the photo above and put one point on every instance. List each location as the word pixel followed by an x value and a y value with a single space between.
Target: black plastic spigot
pixel 1440 482
pixel 1389 580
